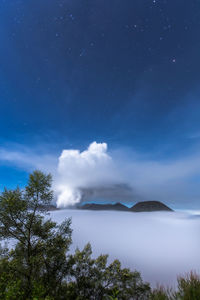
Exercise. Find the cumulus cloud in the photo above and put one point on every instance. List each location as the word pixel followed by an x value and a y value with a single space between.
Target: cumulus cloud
pixel 91 169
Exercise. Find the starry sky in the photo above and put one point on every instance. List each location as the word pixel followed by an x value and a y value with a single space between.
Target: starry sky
pixel 123 72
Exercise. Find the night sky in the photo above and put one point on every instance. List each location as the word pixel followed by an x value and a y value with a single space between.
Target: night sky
pixel 122 72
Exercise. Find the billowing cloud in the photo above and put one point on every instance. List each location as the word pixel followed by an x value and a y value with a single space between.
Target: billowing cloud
pixel 84 172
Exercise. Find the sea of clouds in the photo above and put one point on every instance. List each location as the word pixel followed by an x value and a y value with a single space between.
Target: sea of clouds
pixel 160 245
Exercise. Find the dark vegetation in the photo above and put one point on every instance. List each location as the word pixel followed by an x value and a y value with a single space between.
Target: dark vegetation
pixel 40 266
pixel 145 206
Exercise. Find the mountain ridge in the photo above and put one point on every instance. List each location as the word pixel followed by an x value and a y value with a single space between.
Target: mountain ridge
pixel 144 206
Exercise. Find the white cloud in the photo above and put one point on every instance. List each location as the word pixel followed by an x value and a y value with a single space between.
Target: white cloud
pixel 77 170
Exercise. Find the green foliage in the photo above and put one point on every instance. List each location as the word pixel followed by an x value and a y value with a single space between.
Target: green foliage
pixel 94 279
pixel 39 260
pixel 10 286
pixel 161 293
pixel 38 191
pixel 188 287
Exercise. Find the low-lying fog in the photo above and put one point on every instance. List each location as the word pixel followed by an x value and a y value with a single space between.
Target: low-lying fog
pixel 160 245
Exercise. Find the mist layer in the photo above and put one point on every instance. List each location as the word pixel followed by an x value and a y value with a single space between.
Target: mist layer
pixel 159 245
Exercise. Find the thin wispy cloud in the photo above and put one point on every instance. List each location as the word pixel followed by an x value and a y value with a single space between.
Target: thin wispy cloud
pixel 27 158
pixel 195 135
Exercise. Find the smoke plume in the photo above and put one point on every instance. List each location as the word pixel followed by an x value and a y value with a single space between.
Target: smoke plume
pixel 88 174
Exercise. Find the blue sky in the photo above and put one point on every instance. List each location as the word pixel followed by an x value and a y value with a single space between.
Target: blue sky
pixel 74 72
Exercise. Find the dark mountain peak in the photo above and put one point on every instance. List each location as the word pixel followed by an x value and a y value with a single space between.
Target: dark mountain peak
pixel 118 204
pixel 147 206
pixel 95 206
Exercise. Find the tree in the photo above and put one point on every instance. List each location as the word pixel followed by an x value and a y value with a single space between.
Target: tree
pixel 188 287
pixel 94 279
pixel 161 293
pixel 38 261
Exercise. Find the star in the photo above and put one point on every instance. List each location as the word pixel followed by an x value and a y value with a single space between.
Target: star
pixel 71 17
pixel 83 51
